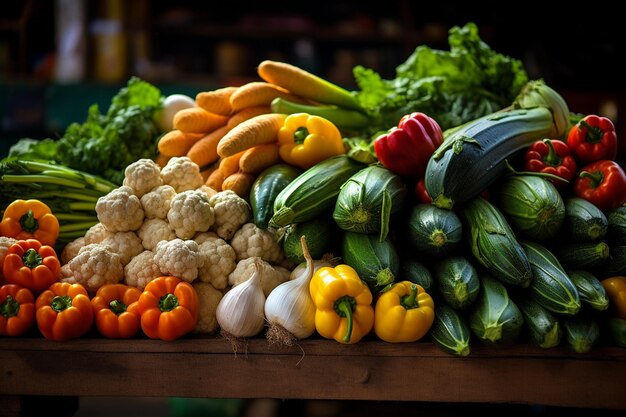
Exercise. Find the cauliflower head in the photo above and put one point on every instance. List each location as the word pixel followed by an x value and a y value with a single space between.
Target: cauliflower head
pixel 231 212
pixel 271 276
pixel 141 270
pixel 120 210
pixel 142 176
pixel 69 251
pixel 190 213
pixel 251 240
pixel 96 234
pixel 153 231
pixel 126 244
pixel 182 173
pixel 94 266
pixel 178 257
pixel 202 237
pixel 218 260
pixel 157 202
pixel 209 298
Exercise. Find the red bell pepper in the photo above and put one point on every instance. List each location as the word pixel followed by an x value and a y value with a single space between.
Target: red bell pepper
pixel 552 157
pixel 593 139
pixel 421 193
pixel 603 183
pixel 407 148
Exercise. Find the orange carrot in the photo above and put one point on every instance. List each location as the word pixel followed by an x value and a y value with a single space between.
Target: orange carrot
pixel 204 151
pixel 208 171
pixel 216 101
pixel 259 93
pixel 259 157
pixel 161 160
pixel 230 164
pixel 258 130
pixel 245 114
pixel 215 180
pixel 177 143
pixel 198 120
pixel 240 183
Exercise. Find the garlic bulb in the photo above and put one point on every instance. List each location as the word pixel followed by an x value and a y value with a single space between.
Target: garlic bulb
pixel 327 260
pixel 240 311
pixel 290 306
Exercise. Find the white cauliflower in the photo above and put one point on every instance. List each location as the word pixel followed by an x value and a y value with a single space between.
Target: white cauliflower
pixel 157 202
pixel 5 244
pixel 153 231
pixel 96 234
pixel 208 298
pixel 231 212
pixel 251 240
pixel 142 176
pixel 182 173
pixel 218 260
pixel 202 237
pixel 141 270
pixel 94 266
pixel 120 210
pixel 126 244
pixel 210 192
pixel 180 258
pixel 271 276
pixel 190 213
pixel 70 250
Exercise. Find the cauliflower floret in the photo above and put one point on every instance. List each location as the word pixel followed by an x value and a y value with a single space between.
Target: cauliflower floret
pixel 231 211
pixel 190 213
pixel 94 266
pixel 70 250
pixel 153 231
pixel 209 298
pixel 125 244
pixel 210 192
pixel 96 234
pixel 5 244
pixel 251 241
pixel 271 276
pixel 120 210
pixel 202 237
pixel 142 176
pixel 218 260
pixel 157 202
pixel 182 173
pixel 180 258
pixel 141 270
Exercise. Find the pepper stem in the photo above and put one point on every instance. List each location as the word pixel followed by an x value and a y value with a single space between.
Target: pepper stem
pixel 60 303
pixel 552 158
pixel 28 222
pixel 117 307
pixel 300 135
pixel 344 307
pixel 168 302
pixel 9 307
pixel 594 133
pixel 409 301
pixel 31 258
pixel 595 178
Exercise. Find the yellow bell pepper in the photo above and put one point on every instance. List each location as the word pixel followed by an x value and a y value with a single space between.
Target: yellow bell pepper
pixel 304 140
pixel 403 313
pixel 616 290
pixel 343 304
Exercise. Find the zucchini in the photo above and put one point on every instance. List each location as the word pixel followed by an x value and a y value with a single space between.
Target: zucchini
pixel 319 238
pixel 591 291
pixel 457 281
pixel 265 188
pixel 543 328
pixel 584 222
pixel 532 205
pixel 473 156
pixel 617 226
pixel 617 330
pixel 494 244
pixel 433 231
pixel 314 191
pixel 377 263
pixel 551 287
pixel 495 318
pixel 415 271
pixel 582 333
pixel 582 255
pixel 450 331
pixel 368 199
pixel 615 264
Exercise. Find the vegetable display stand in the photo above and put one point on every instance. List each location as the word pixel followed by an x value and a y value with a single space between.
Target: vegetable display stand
pixel 317 369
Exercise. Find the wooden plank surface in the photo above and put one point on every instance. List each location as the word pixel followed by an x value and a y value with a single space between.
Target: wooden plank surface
pixel 316 369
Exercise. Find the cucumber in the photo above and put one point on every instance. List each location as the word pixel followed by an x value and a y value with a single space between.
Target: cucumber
pixel 591 291
pixel 617 330
pixel 319 238
pixel 368 199
pixel 494 245
pixel 543 327
pixel 473 156
pixel 314 191
pixel 582 255
pixel 584 222
pixel 457 281
pixel 377 263
pixel 417 272
pixel 450 331
pixel 582 333
pixel 495 318
pixel 532 205
pixel 615 264
pixel 265 188
pixel 617 226
pixel 433 231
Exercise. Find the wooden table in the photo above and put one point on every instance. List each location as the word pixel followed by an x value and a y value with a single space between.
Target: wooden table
pixel 316 369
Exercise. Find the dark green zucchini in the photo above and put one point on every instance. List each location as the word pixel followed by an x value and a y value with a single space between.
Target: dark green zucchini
pixel 615 264
pixel 543 327
pixel 584 222
pixel 582 333
pixel 265 188
pixel 457 281
pixel 433 231
pixel 417 272
pixel 319 238
pixel 591 291
pixel 617 226
pixel 377 263
pixel 582 255
pixel 450 331
pixel 617 330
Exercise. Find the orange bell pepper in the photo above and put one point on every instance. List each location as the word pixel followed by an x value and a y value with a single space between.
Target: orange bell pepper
pixel 616 290
pixel 32 265
pixel 115 311
pixel 17 310
pixel 64 312
pixel 30 219
pixel 169 308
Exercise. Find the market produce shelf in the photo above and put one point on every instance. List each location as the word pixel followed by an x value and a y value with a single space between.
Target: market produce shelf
pixel 314 369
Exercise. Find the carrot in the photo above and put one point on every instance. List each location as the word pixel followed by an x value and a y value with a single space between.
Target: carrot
pixel 215 180
pixel 208 171
pixel 258 93
pixel 306 85
pixel 258 130
pixel 240 183
pixel 216 101
pixel 230 164
pixel 177 143
pixel 204 151
pixel 161 160
pixel 259 157
pixel 245 114
pixel 198 120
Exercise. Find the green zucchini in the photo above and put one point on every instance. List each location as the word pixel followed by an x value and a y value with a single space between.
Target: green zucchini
pixel 532 205
pixel 543 327
pixel 591 291
pixel 368 199
pixel 457 281
pixel 319 238
pixel 617 330
pixel 582 255
pixel 433 231
pixel 617 226
pixel 473 156
pixel 615 264
pixel 314 191
pixel 265 188
pixel 494 245
pixel 538 93
pixel 584 222
pixel 377 263
pixel 416 272
pixel 495 318
pixel 450 331
pixel 342 117
pixel 582 333
pixel 551 287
